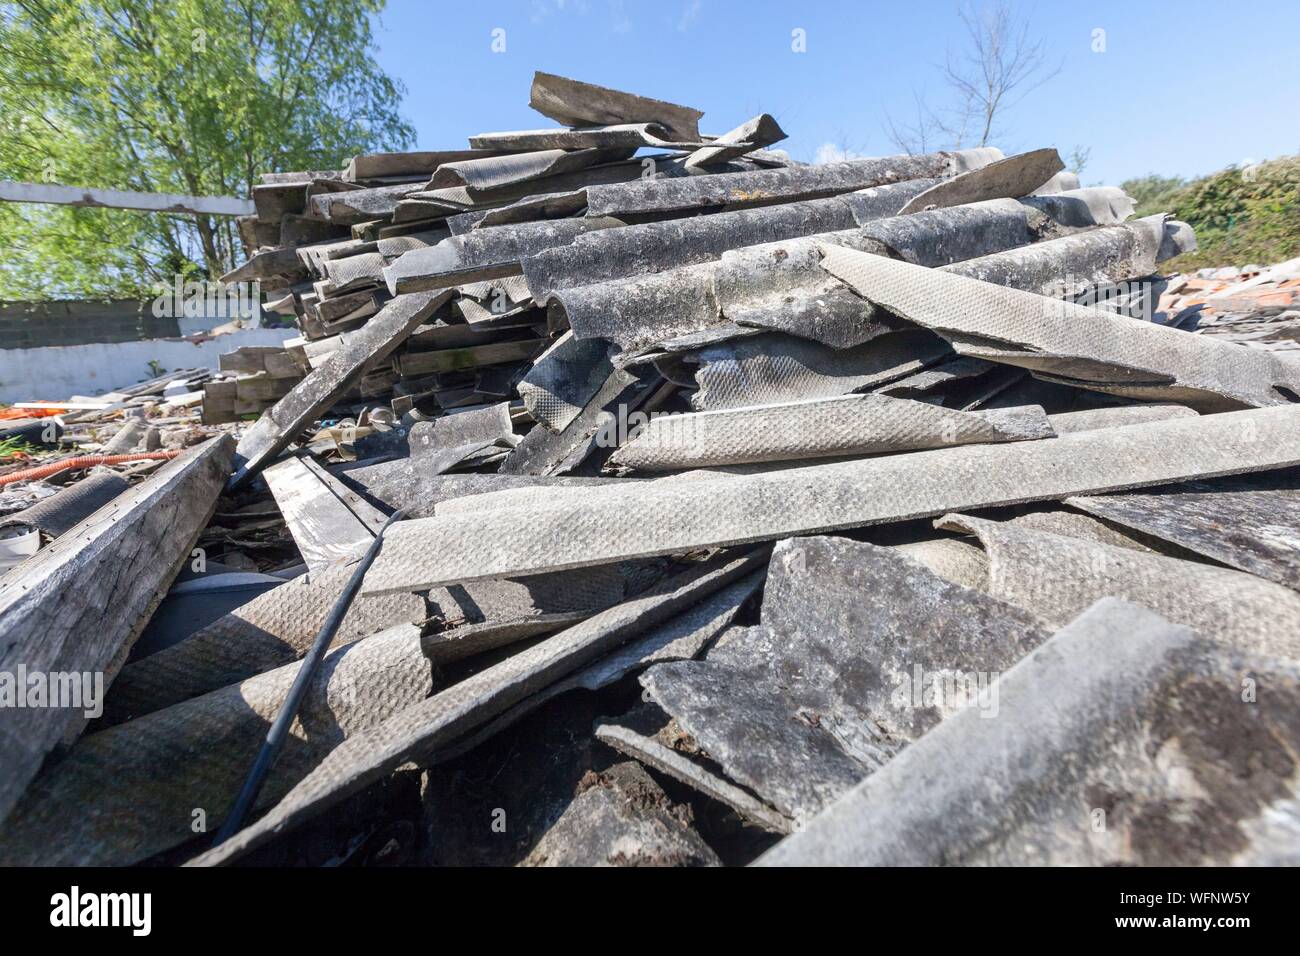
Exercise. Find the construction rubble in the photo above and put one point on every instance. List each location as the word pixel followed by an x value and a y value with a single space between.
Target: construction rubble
pixel 702 507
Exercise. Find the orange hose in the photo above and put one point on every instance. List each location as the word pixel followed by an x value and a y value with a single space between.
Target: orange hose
pixel 9 414
pixel 82 461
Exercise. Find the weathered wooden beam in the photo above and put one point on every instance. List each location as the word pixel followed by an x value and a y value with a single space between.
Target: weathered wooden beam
pixel 69 614
pixel 451 360
pixel 365 348
pixel 124 199
pixel 329 522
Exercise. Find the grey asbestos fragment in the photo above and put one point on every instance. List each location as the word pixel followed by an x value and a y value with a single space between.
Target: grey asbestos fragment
pixel 495 171
pixel 564 379
pixel 575 103
pixel 488 423
pixel 758 132
pixel 1056 577
pixel 776 185
pixel 406 483
pixel 482 254
pixel 1085 347
pixel 772 367
pixel 1250 523
pixel 1121 741
pixel 1115 416
pixel 1014 176
pixel 624 138
pixel 858 651
pixel 621 817
pixel 598 525
pixel 656 756
pixel 817 428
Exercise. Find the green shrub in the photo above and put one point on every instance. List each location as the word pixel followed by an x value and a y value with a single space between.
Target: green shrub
pixel 1241 216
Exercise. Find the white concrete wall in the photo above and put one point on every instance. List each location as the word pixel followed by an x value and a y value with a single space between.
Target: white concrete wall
pixel 56 374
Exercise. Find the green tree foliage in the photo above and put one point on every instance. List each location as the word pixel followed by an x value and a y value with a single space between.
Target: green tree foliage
pixel 188 96
pixel 1241 216
pixel 1153 193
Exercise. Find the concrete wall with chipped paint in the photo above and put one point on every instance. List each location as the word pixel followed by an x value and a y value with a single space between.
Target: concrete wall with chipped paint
pixel 58 373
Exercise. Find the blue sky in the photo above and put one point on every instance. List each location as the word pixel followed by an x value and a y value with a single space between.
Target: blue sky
pixel 1181 88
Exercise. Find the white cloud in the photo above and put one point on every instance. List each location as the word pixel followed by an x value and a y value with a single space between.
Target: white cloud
pixel 544 8
pixel 690 13
pixel 622 22
pixel 831 153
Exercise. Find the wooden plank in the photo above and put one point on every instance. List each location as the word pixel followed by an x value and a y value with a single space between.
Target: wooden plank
pixel 452 360
pixel 345 367
pixel 124 199
pixel 329 522
pixel 76 607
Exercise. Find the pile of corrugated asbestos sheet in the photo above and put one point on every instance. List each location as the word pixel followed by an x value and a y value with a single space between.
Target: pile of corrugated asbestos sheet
pixel 762 512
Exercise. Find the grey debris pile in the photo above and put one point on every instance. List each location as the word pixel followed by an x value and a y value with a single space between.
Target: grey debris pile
pixel 754 511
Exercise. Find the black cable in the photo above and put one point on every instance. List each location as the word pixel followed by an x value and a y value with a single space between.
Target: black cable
pixel 279 732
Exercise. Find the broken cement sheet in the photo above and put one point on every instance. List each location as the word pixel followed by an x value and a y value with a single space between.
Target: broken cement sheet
pixel 651 248
pixel 680 637
pixel 542 452
pixel 365 348
pixel 273 629
pixel 772 367
pixel 575 103
pixel 407 484
pixel 762 130
pixel 738 190
pixel 621 817
pixel 70 505
pixel 480 616
pixel 1085 347
pixel 1249 523
pixel 432 725
pixel 77 606
pixel 483 253
pixel 485 424
pixel 620 139
pixel 329 522
pixel 453 200
pixel 564 379
pixel 1091 259
pixel 963 383
pixel 1014 176
pixel 123 794
pixel 817 428
pixel 361 205
pixel 656 756
pixel 1056 577
pixel 598 525
pixel 850 664
pixel 778 284
pixel 1069 524
pixel 1118 742
pixel 496 171
pixel 1116 416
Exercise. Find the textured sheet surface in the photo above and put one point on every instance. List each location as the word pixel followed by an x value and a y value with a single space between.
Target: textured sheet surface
pixel 600 525
pixel 818 428
pixel 1086 345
